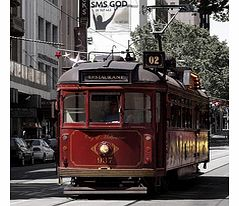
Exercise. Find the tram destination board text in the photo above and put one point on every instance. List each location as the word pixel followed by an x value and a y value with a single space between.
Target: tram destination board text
pixel 105 77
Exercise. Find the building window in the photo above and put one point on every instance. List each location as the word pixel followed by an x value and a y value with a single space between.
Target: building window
pixel 41 67
pixel 13 11
pixel 48 31
pixel 48 76
pixel 68 25
pixel 54 33
pixel 54 77
pixel 55 2
pixel 40 28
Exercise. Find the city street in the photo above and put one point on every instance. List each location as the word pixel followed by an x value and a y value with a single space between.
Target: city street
pixel 37 185
pixel 127 97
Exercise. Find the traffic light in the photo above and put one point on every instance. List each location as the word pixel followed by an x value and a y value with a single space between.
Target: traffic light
pixel 197 83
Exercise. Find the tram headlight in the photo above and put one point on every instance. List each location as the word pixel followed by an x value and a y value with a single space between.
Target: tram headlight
pixel 104 148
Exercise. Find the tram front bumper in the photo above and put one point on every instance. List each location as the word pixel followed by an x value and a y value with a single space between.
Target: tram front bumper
pixel 82 172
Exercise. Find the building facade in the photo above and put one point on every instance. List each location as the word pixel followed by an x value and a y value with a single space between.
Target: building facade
pixel 219 113
pixel 68 22
pixel 34 68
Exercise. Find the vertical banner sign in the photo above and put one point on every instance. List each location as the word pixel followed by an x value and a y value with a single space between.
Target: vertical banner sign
pixel 84 12
pixel 80 32
pixel 110 15
pixel 81 40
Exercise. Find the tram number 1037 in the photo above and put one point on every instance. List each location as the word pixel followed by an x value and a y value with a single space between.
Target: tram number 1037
pixel 154 59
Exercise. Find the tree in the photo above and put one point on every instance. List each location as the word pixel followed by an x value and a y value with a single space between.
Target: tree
pixel 205 54
pixel 218 8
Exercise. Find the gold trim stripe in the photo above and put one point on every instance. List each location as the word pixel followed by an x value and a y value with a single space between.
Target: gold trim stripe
pixel 81 172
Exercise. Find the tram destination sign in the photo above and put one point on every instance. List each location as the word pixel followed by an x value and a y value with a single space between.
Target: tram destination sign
pixel 105 77
pixel 154 59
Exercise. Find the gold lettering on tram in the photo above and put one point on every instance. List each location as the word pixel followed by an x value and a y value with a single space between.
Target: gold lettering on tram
pixel 104 160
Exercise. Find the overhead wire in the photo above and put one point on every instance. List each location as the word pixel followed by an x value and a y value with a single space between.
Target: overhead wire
pixel 37 41
pixel 36 63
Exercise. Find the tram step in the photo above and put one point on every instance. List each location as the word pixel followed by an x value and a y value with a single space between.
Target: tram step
pixel 70 190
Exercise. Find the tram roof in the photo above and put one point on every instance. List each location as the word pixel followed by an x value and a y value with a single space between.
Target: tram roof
pixel 142 75
pixel 72 75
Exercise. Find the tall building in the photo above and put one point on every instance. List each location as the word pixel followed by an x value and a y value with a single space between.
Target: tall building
pixel 34 68
pixel 16 29
pixel 68 21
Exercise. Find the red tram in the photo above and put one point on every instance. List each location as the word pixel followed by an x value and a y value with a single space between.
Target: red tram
pixel 127 127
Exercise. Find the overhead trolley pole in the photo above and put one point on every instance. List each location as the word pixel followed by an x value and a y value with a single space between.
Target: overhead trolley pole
pixel 158 33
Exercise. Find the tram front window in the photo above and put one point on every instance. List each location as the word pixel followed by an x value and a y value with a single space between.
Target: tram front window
pixel 137 108
pixel 104 107
pixel 74 108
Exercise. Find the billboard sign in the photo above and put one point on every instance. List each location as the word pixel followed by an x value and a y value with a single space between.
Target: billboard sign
pixel 110 16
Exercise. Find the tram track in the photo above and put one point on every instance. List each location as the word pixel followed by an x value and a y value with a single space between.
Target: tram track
pixel 54 190
pixel 63 203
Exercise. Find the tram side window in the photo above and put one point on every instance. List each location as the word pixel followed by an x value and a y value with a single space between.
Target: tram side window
pixel 204 119
pixel 175 115
pixel 186 117
pixel 158 107
pixel 137 108
pixel 74 108
pixel 189 118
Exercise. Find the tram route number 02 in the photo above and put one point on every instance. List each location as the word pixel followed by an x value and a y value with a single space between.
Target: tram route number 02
pixel 154 59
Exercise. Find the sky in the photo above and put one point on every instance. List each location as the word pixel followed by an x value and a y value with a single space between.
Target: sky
pixel 220 29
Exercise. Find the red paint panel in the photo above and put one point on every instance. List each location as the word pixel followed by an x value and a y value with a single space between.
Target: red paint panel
pixel 125 149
